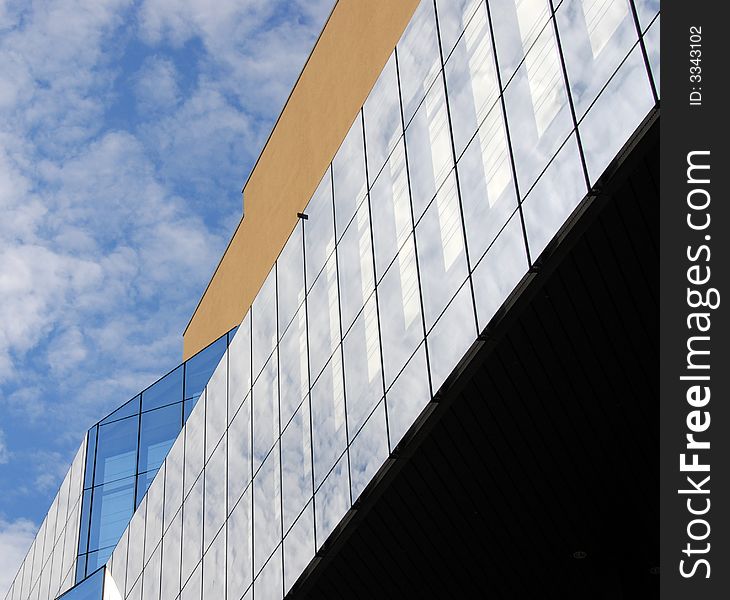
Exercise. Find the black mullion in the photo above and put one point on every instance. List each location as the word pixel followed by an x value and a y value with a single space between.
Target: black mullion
pixel 342 349
pixel 375 274
pixel 413 230
pixel 91 502
pixel 305 306
pixel 139 443
pixel 644 53
pixel 456 171
pixel 505 122
pixel 570 96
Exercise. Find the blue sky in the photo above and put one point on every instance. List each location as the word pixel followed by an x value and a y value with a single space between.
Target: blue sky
pixel 127 129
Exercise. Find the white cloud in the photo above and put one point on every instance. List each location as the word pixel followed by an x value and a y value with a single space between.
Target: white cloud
pixel 15 539
pixel 4 452
pixel 156 86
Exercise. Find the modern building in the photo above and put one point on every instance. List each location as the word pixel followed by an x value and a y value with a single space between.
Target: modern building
pixel 427 362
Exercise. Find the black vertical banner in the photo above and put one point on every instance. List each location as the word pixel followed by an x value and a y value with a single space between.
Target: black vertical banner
pixel 695 270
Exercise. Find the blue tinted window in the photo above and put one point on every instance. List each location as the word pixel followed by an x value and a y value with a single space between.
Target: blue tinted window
pixel 111 510
pixel 189 406
pixel 90 457
pixel 98 559
pixel 116 452
pixel 159 429
pixel 201 366
pixel 84 531
pixel 144 482
pixel 91 589
pixel 126 410
pixel 167 390
pixel 80 574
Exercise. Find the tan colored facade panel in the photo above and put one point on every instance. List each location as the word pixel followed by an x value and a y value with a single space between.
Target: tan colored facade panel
pixel 345 63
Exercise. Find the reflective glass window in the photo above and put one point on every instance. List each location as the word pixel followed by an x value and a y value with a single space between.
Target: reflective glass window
pixel 94 560
pixel 328 418
pixel 290 277
pixel 401 325
pixel 192 589
pixel 501 269
pixel 332 500
pixel 298 547
pixel 167 390
pixel 391 209
pixel 471 78
pixel 215 493
pixel 294 366
pixel 627 94
pixel 90 589
pixel 419 60
pixel 319 228
pixel 192 533
pixel 651 41
pixel 323 312
pixel 240 547
pixel 263 322
pixel 355 262
pixel 135 556
pixel 441 255
pixel 265 412
pixel 296 464
pixel 267 509
pixel 269 584
pixel 647 11
pixel 368 450
pixel 216 406
pixel 126 410
pixel 537 109
pixel 595 35
pixel 348 171
pixel 116 452
pixel 453 16
pixel 201 366
pixel 239 452
pixel 194 449
pixel 144 481
pixel 239 366
pixel 153 527
pixel 407 397
pixel 214 568
pixel 363 374
pixel 174 469
pixel 160 428
pixel 428 142
pixel 451 337
pixel 85 520
pixel 381 113
pixel 151 577
pixel 517 24
pixel 487 191
pixel 553 198
pixel 171 554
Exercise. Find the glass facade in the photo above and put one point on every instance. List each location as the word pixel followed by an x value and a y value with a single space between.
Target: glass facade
pixel 487 127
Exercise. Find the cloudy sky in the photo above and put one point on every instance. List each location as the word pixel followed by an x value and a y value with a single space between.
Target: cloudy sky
pixel 127 129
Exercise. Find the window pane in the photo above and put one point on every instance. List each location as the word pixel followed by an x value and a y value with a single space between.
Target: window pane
pixel 368 451
pixel 201 366
pixel 299 547
pixel 408 396
pixel 153 527
pixel 596 35
pixel 401 325
pixel 215 494
pixel 383 126
pixel 214 568
pixel 451 337
pixel 319 228
pixel 332 500
pixel 296 462
pixel 537 109
pixel 471 78
pixel 85 522
pixel 90 456
pixel 135 556
pixel 500 270
pixel 160 427
pixel 265 412
pixel 267 509
pixel 116 453
pixel 428 141
pixel 355 256
pixel 239 452
pixel 647 10
pixel 240 547
pixel 239 366
pixel 363 376
pixel 324 317
pixel 553 198
pixel 263 319
pixel 419 61
pixel 328 418
pixel 174 469
pixel 151 578
pixel 453 16
pixel 348 170
pixel 441 255
pixel 618 111
pixel 112 507
pixel 487 191
pixel 194 437
pixel 294 366
pixel 143 483
pixel 167 390
pixel 171 553
pixel 192 534
pixel 290 276
pixel 127 410
pixel 269 584
pixel 651 40
pixel 391 209
pixel 216 406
